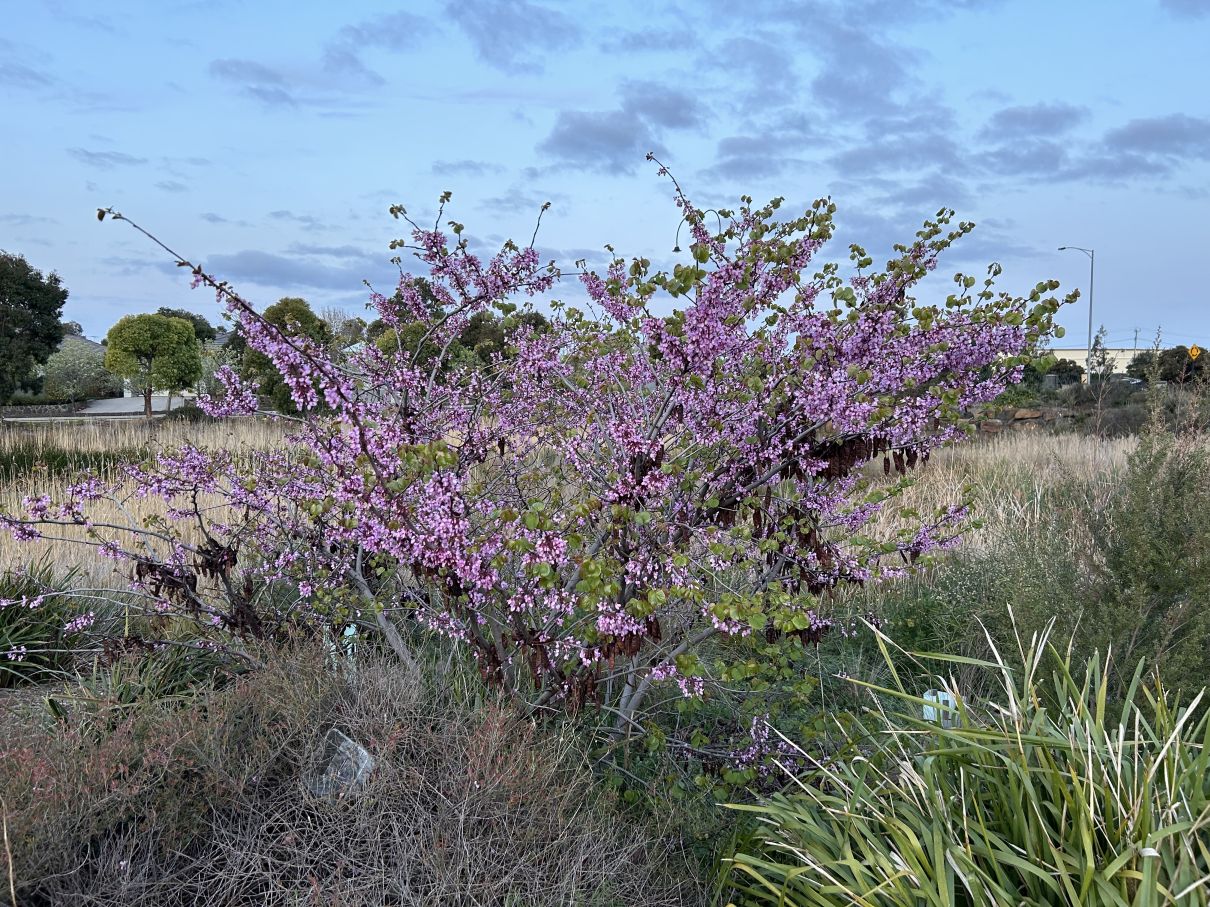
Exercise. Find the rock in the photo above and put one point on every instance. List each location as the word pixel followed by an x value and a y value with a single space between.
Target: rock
pixel 1025 426
pixel 343 765
pixel 1006 415
pixel 1028 414
pixel 991 426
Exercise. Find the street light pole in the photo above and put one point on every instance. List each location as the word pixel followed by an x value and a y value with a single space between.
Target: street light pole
pixel 1092 276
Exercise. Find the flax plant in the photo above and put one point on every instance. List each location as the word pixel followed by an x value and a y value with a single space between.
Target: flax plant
pixel 1042 797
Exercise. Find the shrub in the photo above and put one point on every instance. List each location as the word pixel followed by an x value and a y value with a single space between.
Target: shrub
pixel 586 514
pixel 1153 577
pixel 206 803
pixel 1018 803
pixel 189 412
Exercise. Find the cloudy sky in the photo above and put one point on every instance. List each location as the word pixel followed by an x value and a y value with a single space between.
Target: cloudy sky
pixel 267 139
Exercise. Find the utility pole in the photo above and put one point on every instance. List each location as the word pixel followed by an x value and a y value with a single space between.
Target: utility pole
pixel 1092 275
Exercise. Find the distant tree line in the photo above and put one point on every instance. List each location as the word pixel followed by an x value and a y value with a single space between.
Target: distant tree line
pixel 1173 364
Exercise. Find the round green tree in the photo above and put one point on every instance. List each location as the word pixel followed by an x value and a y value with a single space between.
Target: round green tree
pixel 154 352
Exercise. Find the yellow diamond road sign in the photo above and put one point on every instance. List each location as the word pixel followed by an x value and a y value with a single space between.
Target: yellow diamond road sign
pixel 1194 351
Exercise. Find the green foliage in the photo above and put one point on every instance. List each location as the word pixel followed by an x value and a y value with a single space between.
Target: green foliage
pixel 485 337
pixel 202 329
pixel 155 352
pixel 295 318
pixel 76 371
pixel 1153 579
pixel 190 413
pixel 34 647
pixel 30 305
pixel 31 456
pixel 1116 560
pixel 1173 364
pixel 1042 797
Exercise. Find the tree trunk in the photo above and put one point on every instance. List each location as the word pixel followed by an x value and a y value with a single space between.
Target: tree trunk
pixel 147 401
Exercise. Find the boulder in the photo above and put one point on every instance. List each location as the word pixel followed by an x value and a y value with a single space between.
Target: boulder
pixel 991 426
pixel 1028 414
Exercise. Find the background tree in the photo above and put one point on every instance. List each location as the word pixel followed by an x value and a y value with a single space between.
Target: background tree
pixel 295 318
pixel 76 371
pixel 73 329
pixel 347 329
pixel 1174 364
pixel 202 329
pixel 30 306
pixel 154 351
pixel 1068 371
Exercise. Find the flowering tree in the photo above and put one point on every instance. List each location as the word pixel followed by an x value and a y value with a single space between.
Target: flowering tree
pixel 587 511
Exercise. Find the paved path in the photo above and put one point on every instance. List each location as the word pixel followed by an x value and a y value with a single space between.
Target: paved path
pixel 118 408
pixel 127 406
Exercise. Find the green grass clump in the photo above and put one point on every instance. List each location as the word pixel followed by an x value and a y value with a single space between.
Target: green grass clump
pixel 1044 796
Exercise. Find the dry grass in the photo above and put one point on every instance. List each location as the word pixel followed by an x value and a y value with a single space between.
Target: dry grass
pixel 100 436
pixel 206 805
pixel 1013 476
pixel 48 446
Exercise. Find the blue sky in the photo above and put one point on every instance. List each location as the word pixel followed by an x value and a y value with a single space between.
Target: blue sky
pixel 267 139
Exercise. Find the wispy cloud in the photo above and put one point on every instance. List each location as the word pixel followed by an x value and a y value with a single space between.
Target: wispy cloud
pixel 513 35
pixel 105 160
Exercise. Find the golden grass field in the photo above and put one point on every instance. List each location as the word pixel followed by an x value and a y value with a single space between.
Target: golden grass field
pixel 99 437
pixel 1012 474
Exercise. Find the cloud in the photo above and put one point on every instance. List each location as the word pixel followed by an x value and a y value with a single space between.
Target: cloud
pixel 513 35
pixel 211 218
pixel 256 81
pixel 861 75
pixel 925 196
pixel 172 186
pixel 105 160
pixel 1186 9
pixel 617 141
pixel 245 71
pixel 397 31
pixel 661 106
pixel 1042 120
pixel 742 157
pixel 649 41
pixel 329 251
pixel 763 59
pixel 1176 136
pixel 1038 157
pixel 25 220
pixel 271 96
pixel 289 272
pixel 465 168
pixel 307 221
pixel 18 75
pixel 610 141
pixel 892 151
pixel 1148 148
pixel 518 201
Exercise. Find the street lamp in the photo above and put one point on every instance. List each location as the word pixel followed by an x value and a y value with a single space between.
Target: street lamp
pixel 1092 274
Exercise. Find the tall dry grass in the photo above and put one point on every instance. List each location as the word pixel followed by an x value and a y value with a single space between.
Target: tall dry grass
pixel 1012 475
pixel 37 459
pixel 104 435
